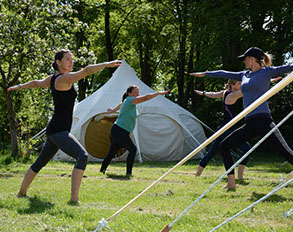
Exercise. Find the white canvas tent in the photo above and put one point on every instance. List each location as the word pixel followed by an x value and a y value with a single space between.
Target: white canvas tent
pixel 164 130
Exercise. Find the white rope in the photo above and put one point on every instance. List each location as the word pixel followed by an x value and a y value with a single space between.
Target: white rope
pixel 282 84
pixel 288 213
pixel 231 168
pixel 252 205
pixel 102 224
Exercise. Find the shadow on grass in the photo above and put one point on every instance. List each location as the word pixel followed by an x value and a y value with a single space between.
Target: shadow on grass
pixel 118 177
pixel 242 182
pixel 36 205
pixel 6 175
pixel 274 198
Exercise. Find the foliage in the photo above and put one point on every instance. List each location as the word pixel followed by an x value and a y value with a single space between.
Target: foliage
pixel 30 32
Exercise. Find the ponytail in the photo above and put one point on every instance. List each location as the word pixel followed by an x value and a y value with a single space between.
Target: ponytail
pixel 267 60
pixel 55 66
pixel 129 90
pixel 125 95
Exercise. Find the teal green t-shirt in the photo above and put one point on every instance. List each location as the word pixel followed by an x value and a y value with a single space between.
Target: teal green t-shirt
pixel 127 115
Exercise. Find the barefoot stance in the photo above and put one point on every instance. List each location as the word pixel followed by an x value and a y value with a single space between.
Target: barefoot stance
pixel 230 187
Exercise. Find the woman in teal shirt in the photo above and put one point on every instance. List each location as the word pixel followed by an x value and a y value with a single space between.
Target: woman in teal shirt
pixel 125 124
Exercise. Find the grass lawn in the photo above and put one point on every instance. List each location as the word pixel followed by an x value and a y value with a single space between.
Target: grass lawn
pixel 47 208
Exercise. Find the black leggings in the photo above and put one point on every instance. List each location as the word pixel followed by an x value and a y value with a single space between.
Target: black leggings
pixel 120 139
pixel 258 126
pixel 67 143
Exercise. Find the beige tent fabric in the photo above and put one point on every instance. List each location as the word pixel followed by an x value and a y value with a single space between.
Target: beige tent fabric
pixel 97 137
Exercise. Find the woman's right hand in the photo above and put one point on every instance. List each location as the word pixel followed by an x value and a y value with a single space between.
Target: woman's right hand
pixel 198 74
pixel 200 93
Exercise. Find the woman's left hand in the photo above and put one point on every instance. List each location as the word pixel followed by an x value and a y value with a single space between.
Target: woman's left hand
pixel 114 63
pixel 164 92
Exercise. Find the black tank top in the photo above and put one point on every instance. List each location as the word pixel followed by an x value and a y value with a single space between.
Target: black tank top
pixel 230 111
pixel 63 108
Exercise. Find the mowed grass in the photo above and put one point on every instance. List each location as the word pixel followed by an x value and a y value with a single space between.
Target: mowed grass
pixel 47 208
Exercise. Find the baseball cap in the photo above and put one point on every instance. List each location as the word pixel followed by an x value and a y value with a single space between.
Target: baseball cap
pixel 254 52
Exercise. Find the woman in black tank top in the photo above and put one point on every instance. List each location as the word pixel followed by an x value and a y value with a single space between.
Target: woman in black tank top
pixel 230 109
pixel 58 129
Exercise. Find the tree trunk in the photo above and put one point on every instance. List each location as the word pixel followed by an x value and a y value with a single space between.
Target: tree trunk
pixel 180 80
pixel 108 34
pixel 144 64
pixel 81 40
pixel 12 123
pixel 197 83
pixel 82 87
pixel 189 88
pixel 182 50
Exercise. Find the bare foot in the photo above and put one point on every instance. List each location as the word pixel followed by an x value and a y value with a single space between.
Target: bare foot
pixel 230 187
pixel 19 195
pixel 74 203
pixel 199 170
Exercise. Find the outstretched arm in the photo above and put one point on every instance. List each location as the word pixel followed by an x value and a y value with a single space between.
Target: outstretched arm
pixel 147 97
pixel 210 94
pixel 72 77
pixel 198 74
pixel 110 110
pixel 237 76
pixel 45 83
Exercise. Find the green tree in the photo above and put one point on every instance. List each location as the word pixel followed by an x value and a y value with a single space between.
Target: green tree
pixel 30 30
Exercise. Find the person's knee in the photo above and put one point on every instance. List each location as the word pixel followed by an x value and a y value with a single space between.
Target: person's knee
pixel 223 147
pixel 133 150
pixel 82 162
pixel 36 167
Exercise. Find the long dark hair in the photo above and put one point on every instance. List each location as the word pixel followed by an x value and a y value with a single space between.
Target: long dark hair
pixel 58 56
pixel 129 90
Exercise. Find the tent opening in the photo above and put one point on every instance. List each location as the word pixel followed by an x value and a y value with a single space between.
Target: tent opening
pixel 98 136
